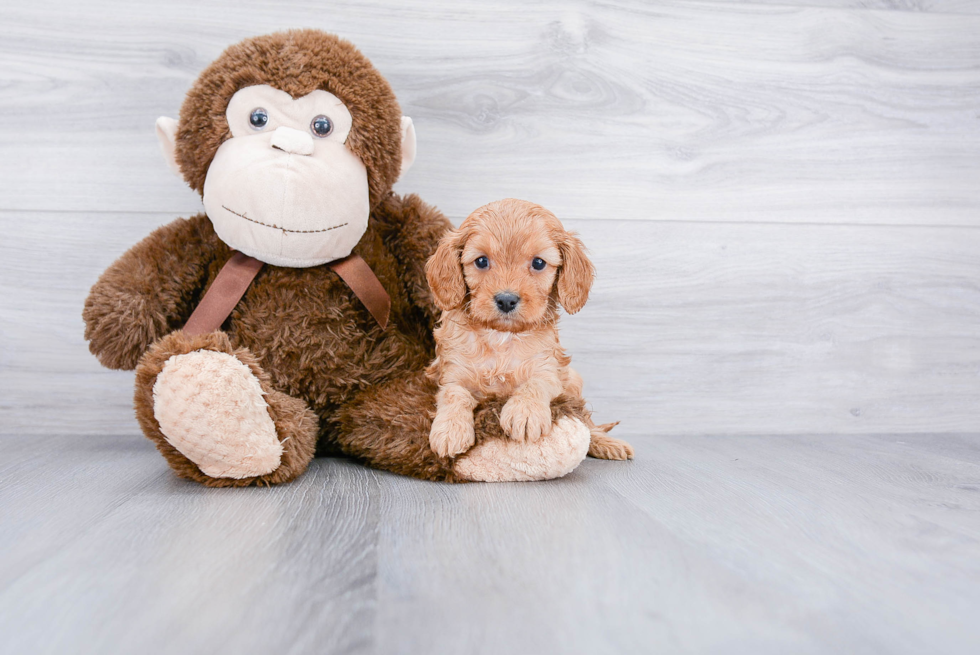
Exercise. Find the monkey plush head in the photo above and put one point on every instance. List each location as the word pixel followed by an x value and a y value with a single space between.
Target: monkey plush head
pixel 291 139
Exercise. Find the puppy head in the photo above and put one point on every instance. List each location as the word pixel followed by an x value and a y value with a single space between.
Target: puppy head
pixel 507 264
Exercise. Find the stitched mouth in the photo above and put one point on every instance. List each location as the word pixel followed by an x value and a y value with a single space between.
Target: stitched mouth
pixel 282 229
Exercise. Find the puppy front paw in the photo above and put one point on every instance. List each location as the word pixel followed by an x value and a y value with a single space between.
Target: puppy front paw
pixel 525 419
pixel 452 433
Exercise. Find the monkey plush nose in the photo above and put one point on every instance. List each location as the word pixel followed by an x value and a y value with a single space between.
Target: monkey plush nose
pixel 506 301
pixel 292 141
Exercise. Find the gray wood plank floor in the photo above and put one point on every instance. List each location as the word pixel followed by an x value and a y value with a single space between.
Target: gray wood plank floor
pixel 762 544
pixel 782 198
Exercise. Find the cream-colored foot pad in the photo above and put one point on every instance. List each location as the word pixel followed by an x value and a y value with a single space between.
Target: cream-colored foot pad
pixel 210 407
pixel 507 460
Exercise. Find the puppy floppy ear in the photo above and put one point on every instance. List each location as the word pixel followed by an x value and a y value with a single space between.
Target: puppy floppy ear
pixel 575 275
pixel 444 271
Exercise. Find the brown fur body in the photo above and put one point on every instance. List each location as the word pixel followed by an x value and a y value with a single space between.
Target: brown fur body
pixel 334 380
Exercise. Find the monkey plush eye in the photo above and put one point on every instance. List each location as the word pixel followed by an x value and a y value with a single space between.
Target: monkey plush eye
pixel 259 118
pixel 321 126
pixel 482 262
pixel 538 264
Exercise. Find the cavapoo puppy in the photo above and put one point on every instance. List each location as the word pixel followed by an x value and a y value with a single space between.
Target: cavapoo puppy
pixel 499 279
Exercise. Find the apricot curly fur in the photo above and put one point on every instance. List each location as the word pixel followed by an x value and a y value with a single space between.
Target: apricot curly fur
pixel 512 352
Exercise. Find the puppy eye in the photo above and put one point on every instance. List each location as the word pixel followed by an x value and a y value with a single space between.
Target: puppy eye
pixel 321 126
pixel 538 264
pixel 481 262
pixel 259 118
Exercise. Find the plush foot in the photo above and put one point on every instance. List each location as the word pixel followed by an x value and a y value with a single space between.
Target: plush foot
pixel 602 446
pixel 213 414
pixel 507 460
pixel 212 409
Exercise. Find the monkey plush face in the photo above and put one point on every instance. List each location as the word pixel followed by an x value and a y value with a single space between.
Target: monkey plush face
pixel 291 139
pixel 285 189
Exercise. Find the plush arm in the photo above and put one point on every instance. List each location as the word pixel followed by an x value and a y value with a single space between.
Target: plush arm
pixel 412 229
pixel 149 291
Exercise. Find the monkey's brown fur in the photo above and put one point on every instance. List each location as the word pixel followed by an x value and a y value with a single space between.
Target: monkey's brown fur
pixel 294 420
pixel 335 381
pixel 297 62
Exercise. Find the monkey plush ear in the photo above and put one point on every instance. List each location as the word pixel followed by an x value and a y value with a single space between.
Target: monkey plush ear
pixel 408 145
pixel 575 275
pixel 444 272
pixel 167 136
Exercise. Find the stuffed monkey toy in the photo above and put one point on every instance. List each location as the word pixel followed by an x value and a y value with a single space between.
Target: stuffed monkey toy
pixel 293 317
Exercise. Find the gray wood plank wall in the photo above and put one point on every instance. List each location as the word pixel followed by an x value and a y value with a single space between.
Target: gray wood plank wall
pixel 782 198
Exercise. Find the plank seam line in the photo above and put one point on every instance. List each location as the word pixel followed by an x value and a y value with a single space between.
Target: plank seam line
pixel 458 219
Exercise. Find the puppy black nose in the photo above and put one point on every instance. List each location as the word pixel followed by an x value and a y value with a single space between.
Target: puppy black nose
pixel 507 301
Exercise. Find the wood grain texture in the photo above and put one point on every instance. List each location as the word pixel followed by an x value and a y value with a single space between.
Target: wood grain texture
pixel 761 544
pixel 692 328
pixel 930 6
pixel 121 557
pixel 670 110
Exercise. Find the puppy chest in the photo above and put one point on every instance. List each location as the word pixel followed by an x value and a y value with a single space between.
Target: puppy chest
pixel 501 362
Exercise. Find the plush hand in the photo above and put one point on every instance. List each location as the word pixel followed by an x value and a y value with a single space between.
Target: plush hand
pixel 525 418
pixel 507 460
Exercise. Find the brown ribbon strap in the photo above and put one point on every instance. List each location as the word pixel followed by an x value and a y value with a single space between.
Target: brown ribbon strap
pixel 356 273
pixel 238 272
pixel 225 292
